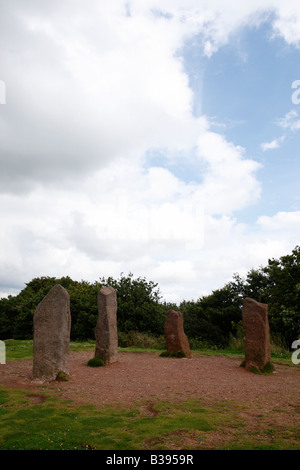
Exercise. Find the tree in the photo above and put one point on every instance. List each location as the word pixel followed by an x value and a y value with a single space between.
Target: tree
pixel 211 318
pixel 139 306
pixel 284 295
pixel 8 314
pixel 84 310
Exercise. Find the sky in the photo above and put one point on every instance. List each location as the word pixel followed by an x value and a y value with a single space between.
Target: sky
pixel 159 138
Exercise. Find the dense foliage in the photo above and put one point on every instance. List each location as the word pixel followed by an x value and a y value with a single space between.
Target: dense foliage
pixel 211 319
pixel 214 317
pixel 138 306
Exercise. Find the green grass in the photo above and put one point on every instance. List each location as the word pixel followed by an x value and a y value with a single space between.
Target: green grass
pixel 267 370
pixel 23 349
pixel 96 362
pixel 53 424
pixel 18 349
pixel 177 354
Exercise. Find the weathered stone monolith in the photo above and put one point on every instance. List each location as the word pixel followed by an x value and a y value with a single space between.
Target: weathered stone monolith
pixel 51 337
pixel 257 334
pixel 106 332
pixel 176 339
pixel 2 352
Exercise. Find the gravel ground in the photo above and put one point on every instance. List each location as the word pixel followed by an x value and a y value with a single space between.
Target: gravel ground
pixel 138 377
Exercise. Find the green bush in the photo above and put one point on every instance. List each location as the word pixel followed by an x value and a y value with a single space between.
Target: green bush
pixel 165 354
pixel 61 376
pixel 140 340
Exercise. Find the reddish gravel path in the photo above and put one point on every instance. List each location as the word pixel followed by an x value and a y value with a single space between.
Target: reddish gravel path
pixel 144 376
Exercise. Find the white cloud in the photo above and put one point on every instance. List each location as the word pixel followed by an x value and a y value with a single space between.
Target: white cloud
pixel 274 144
pixel 63 232
pixel 281 222
pixel 227 169
pixel 270 145
pixel 85 87
pixel 290 121
pixel 89 90
pixel 287 24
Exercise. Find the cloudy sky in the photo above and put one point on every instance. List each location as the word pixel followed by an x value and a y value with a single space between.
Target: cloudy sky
pixel 158 137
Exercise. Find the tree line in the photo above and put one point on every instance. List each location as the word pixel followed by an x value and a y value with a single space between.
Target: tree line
pixel 212 319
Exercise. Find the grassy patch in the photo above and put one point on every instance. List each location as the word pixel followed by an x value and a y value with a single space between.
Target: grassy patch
pixel 53 424
pixel 178 354
pixel 18 349
pixel 267 370
pixel 82 345
pixel 31 422
pixel 62 376
pixel 96 362
pixel 136 349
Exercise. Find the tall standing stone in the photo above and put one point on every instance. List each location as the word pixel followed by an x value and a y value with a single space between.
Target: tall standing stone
pixel 2 352
pixel 257 334
pixel 176 339
pixel 51 337
pixel 106 332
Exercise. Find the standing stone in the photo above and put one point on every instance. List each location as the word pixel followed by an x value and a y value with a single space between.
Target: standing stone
pixel 176 339
pixel 2 352
pixel 51 338
pixel 257 332
pixel 106 333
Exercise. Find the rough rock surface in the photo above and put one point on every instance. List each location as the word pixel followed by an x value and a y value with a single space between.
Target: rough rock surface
pixel 176 339
pixel 51 338
pixel 257 332
pixel 106 332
